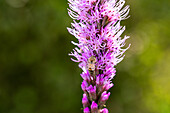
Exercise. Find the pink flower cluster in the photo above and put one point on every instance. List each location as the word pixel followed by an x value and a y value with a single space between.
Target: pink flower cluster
pixel 97 27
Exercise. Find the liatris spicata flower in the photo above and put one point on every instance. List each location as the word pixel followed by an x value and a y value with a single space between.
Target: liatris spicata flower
pixel 97 27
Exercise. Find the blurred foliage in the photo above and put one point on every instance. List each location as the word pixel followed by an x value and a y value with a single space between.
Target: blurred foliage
pixel 37 75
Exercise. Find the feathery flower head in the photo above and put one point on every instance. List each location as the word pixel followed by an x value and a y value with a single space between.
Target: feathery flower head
pixel 99 49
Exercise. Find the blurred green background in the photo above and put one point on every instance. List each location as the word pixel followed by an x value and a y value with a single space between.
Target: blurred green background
pixel 37 75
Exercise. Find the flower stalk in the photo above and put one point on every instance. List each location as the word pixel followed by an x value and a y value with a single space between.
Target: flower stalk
pixel 97 27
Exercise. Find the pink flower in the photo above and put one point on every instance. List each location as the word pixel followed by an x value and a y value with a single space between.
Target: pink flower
pixel 99 49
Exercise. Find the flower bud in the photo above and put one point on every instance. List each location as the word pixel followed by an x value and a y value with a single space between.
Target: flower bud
pixel 107 86
pixel 105 110
pixel 86 110
pixel 94 107
pixel 84 85
pixel 104 97
pixel 85 101
pixel 85 76
pixel 99 82
pixel 92 92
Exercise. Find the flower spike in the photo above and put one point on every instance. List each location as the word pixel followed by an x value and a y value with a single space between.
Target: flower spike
pixel 96 26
